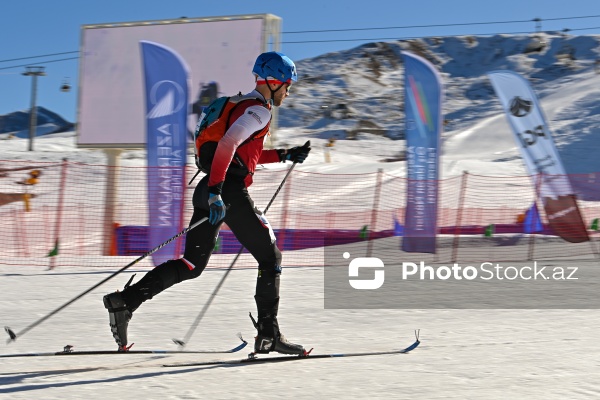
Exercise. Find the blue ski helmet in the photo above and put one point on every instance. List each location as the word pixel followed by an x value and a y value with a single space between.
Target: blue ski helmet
pixel 276 65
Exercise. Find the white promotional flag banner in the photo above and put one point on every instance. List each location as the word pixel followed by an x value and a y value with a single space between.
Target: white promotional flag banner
pixel 531 132
pixel 539 153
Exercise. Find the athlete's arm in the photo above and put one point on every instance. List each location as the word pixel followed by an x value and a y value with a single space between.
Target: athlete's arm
pixel 269 156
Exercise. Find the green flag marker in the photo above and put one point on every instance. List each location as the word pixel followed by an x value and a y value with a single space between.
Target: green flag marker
pixel 364 232
pixel 489 230
pixel 594 225
pixel 54 251
pixel 218 244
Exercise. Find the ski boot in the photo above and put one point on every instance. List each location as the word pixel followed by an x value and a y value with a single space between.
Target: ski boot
pixel 119 315
pixel 269 338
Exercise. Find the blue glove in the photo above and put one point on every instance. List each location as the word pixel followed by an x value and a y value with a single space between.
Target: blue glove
pixel 298 154
pixel 217 208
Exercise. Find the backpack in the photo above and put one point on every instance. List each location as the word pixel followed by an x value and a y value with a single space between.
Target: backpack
pixel 212 125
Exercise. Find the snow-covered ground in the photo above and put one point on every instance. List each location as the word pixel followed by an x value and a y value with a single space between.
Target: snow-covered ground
pixel 464 354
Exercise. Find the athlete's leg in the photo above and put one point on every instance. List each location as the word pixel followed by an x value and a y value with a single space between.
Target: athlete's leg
pixel 199 245
pixel 253 230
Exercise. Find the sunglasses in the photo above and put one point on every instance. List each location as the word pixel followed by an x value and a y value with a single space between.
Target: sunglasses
pixel 288 84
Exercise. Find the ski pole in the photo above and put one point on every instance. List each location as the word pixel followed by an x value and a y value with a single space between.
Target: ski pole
pixel 14 336
pixel 190 332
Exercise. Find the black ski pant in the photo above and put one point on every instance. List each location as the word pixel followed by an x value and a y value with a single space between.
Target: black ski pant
pixel 249 226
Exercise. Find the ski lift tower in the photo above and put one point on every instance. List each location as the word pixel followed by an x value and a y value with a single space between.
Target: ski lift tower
pixel 33 72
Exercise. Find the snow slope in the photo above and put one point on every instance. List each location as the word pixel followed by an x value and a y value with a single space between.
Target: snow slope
pixel 475 354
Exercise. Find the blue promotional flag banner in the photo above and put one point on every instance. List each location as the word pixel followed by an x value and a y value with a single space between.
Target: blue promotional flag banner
pixel 423 111
pixel 398 228
pixel 166 79
pixel 539 153
pixel 532 222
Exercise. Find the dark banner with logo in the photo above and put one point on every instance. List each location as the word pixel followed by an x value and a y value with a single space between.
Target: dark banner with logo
pixel 166 79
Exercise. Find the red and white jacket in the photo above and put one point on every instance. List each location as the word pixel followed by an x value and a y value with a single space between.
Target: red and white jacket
pixel 249 120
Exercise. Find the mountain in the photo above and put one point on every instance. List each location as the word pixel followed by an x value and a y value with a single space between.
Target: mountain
pixel 356 96
pixel 17 123
pixel 361 89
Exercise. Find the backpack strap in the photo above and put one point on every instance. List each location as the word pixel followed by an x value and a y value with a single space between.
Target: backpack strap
pixel 240 101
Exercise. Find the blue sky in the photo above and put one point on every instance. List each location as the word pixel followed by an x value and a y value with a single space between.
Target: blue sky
pixel 37 27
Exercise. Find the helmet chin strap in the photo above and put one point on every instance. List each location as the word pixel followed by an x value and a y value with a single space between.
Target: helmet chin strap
pixel 273 91
pixel 266 82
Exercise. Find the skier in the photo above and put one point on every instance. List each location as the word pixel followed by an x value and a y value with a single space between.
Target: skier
pixel 222 196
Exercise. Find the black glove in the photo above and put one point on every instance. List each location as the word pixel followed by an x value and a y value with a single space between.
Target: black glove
pixel 298 154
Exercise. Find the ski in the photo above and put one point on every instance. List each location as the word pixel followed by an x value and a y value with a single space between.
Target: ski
pixel 253 359
pixel 68 351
